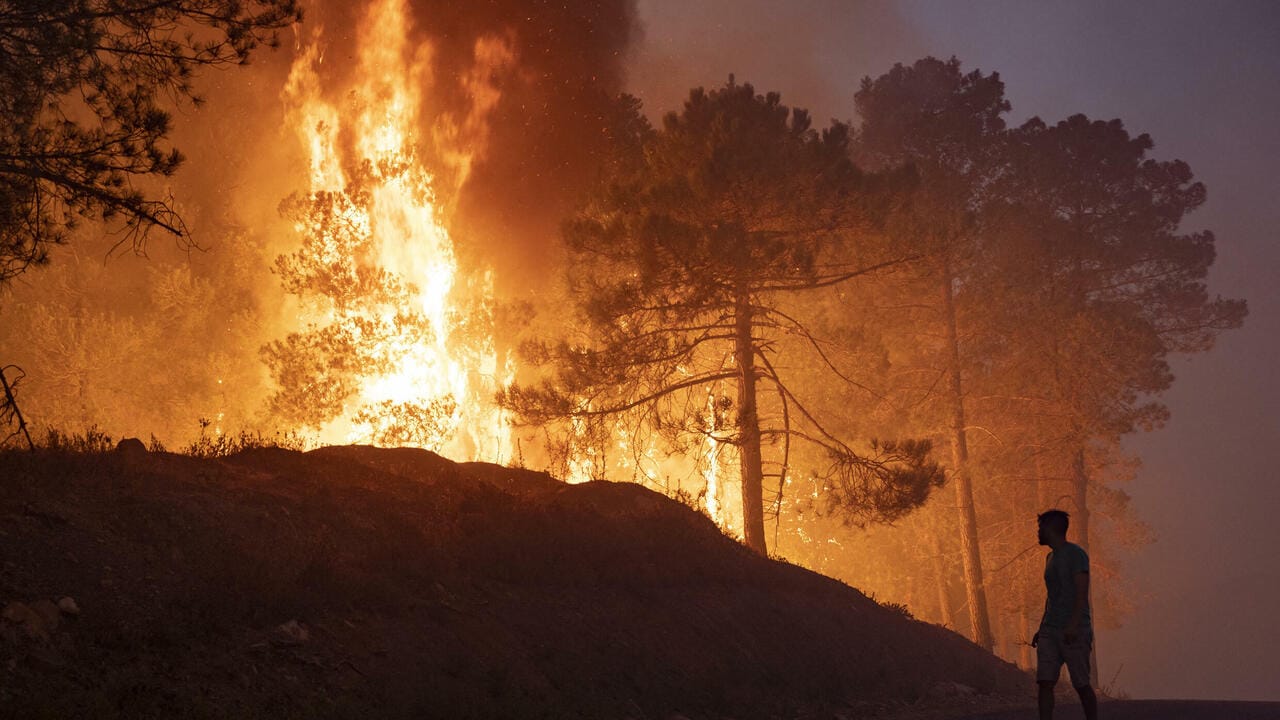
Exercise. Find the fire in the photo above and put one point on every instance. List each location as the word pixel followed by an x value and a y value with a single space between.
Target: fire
pixel 711 471
pixel 378 261
pixel 426 383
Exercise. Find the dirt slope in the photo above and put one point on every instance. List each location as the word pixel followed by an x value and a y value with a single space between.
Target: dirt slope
pixel 359 582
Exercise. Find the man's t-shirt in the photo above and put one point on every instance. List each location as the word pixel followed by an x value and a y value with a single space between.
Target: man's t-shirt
pixel 1060 570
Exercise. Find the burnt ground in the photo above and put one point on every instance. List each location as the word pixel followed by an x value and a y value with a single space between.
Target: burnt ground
pixel 357 582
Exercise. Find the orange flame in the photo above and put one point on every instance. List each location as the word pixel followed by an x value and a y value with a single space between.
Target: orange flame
pixel 379 126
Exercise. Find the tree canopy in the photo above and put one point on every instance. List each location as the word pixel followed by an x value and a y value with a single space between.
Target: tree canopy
pixel 948 126
pixel 1056 277
pixel 84 86
pixel 683 270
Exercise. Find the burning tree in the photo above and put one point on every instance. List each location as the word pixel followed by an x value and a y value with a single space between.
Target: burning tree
pixel 395 344
pixel 372 326
pixel 83 84
pixel 685 271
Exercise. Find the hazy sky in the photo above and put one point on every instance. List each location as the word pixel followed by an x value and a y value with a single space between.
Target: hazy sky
pixel 1203 79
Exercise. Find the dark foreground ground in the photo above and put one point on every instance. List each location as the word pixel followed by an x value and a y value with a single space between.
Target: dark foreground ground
pixel 1154 710
pixel 355 582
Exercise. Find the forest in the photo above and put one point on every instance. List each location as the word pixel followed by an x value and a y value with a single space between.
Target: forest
pixel 874 348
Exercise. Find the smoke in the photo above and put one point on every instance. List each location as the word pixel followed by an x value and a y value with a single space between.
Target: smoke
pixel 525 88
pixel 814 52
pixel 540 135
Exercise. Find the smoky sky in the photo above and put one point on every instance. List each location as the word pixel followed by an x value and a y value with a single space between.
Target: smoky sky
pixel 548 127
pixel 813 52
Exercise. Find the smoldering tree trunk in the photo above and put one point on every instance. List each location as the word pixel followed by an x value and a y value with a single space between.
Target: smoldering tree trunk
pixel 970 551
pixel 748 427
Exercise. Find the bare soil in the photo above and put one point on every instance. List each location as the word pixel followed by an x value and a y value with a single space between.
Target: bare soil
pixel 358 582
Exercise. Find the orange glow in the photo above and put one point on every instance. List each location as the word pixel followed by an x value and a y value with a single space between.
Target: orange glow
pixel 711 471
pixel 368 144
pixel 378 125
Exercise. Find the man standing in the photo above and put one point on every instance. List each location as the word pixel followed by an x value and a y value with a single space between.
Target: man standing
pixel 1066 630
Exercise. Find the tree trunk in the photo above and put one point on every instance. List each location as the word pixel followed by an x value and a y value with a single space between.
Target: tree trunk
pixel 1080 496
pixel 973 584
pixel 9 404
pixel 749 428
pixel 1025 631
pixel 1080 523
pixel 1044 498
pixel 1006 645
pixel 948 614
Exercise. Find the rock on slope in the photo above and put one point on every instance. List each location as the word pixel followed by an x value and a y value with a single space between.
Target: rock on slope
pixel 363 582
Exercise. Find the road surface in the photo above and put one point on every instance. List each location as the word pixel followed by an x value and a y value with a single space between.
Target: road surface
pixel 1153 710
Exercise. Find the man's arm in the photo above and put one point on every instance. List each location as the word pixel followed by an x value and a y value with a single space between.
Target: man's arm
pixel 1077 608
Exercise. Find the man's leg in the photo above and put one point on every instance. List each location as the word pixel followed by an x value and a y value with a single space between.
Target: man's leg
pixel 1049 662
pixel 1046 700
pixel 1088 701
pixel 1077 657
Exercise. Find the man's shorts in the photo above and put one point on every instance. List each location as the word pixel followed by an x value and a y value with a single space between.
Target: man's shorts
pixel 1052 651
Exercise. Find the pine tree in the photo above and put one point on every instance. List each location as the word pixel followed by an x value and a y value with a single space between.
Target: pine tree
pixel 83 90
pixel 1101 284
pixel 944 124
pixel 681 269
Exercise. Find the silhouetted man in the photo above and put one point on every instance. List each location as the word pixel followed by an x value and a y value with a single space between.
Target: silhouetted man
pixel 1066 630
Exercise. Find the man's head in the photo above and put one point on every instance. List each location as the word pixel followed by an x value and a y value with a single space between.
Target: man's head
pixel 1053 526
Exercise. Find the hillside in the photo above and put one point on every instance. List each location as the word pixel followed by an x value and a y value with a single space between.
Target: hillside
pixel 362 582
